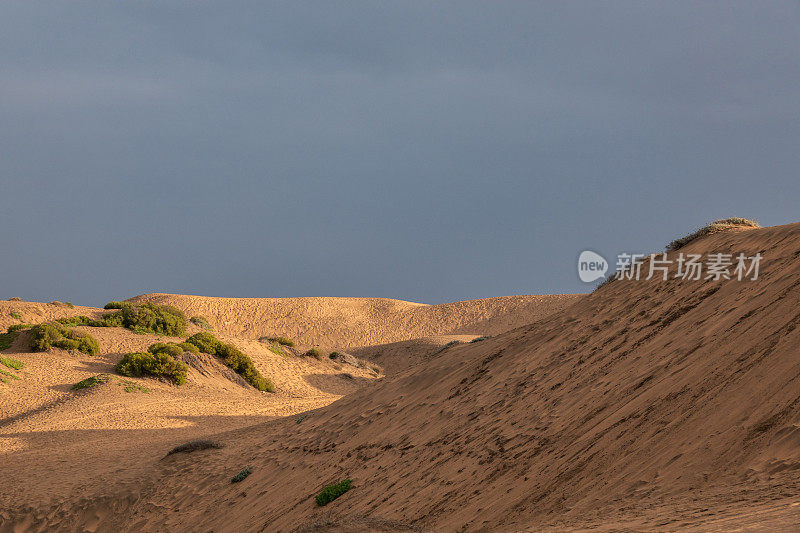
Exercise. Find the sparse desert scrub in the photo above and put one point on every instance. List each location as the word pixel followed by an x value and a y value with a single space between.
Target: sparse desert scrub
pixel 282 341
pixel 246 471
pixel 233 358
pixel 331 492
pixel 91 381
pixel 49 335
pixel 195 445
pixel 16 315
pixel 449 345
pixel 200 321
pixel 316 353
pixel 713 227
pixel 10 362
pixel 159 365
pixel 479 339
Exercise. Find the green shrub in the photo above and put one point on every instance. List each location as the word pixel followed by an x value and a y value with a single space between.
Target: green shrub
pixel 69 304
pixel 80 320
pixel 115 305
pixel 205 342
pixel 316 353
pixel 148 318
pixel 45 336
pixel 449 345
pixel 92 381
pixel 233 358
pixel 159 364
pixel 56 302
pixel 713 227
pixel 169 348
pixel 276 349
pixel 242 475
pixel 13 328
pixel 12 363
pixel 479 339
pixel 282 341
pixel 200 321
pixel 16 315
pixel 333 355
pixel 331 492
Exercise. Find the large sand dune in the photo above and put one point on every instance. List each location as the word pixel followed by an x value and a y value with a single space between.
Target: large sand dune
pixel 352 322
pixel 646 405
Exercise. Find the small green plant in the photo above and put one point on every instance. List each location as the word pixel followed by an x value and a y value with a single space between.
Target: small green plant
pixel 12 363
pixel 9 374
pixel 160 365
pixel 479 339
pixel 333 355
pixel 115 305
pixel 242 475
pixel 233 358
pixel 56 302
pixel 714 227
pixel 316 353
pixel 16 315
pixel 200 321
pixel 69 304
pixel 92 381
pixel 282 341
pixel 131 386
pixel 56 335
pixel 276 349
pixel 331 492
pixel 196 445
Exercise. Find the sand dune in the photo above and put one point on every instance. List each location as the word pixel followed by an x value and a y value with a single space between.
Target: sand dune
pixel 646 405
pixel 340 323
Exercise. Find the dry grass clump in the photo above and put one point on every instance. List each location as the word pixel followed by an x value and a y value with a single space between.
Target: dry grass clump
pixel 284 341
pixel 316 353
pixel 714 227
pixel 195 445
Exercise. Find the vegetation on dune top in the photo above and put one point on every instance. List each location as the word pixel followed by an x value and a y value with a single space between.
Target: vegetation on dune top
pixel 195 445
pixel 714 227
pixel 56 335
pixel 233 358
pixel 316 353
pixel 12 363
pixel 148 318
pixel 331 492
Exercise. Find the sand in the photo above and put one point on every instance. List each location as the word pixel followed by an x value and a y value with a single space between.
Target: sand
pixel 645 406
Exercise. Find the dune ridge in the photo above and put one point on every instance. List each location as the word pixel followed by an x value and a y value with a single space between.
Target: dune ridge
pixel 341 323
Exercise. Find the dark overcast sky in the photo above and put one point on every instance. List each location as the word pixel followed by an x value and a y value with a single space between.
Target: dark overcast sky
pixel 427 151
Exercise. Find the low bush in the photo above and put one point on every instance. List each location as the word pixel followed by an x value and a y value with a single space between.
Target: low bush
pixel 714 227
pixel 69 304
pixel 56 302
pixel 449 345
pixel 92 381
pixel 331 492
pixel 205 342
pixel 16 315
pixel 13 328
pixel 195 445
pixel 233 358
pixel 200 321
pixel 15 299
pixel 49 335
pixel 479 339
pixel 282 341
pixel 115 305
pixel 80 320
pixel 316 353
pixel 160 365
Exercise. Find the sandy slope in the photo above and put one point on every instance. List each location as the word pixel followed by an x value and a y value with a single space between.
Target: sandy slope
pixel 646 405
pixel 354 322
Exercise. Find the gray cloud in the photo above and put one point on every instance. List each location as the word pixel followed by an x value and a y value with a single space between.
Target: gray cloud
pixel 421 151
